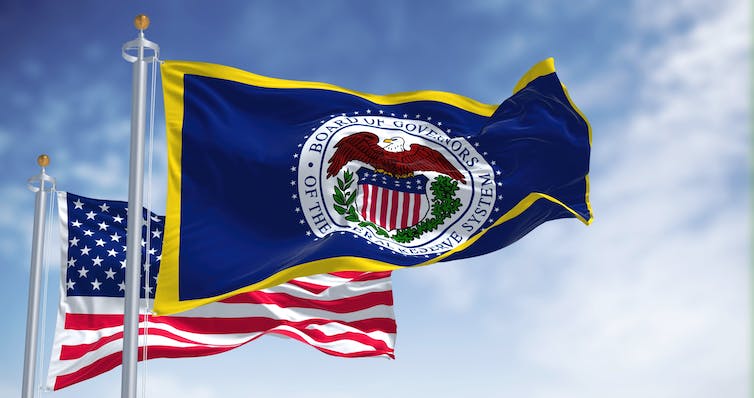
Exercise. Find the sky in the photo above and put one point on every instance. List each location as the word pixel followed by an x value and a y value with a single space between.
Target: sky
pixel 652 300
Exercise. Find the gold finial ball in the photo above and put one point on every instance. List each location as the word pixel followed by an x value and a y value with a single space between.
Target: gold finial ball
pixel 43 160
pixel 141 22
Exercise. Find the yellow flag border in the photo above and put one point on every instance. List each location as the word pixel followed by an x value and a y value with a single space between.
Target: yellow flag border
pixel 167 299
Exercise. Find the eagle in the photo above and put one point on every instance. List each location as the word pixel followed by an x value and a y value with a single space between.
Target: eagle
pixel 394 159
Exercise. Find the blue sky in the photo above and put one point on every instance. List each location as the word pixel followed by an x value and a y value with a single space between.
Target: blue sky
pixel 652 300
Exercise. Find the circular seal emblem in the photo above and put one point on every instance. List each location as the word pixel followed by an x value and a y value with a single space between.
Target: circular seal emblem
pixel 402 184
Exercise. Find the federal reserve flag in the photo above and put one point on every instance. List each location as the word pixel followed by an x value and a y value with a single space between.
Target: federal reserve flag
pixel 273 179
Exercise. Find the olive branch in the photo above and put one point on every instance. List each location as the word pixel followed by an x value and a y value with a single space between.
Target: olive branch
pixel 344 199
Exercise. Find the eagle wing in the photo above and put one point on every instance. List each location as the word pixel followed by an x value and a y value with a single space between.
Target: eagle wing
pixel 422 158
pixel 360 146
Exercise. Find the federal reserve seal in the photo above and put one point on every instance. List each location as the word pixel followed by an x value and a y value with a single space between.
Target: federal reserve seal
pixel 402 184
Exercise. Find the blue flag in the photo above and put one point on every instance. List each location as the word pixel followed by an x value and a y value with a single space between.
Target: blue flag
pixel 274 179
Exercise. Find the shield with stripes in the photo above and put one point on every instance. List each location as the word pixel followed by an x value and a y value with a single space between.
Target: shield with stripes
pixel 392 203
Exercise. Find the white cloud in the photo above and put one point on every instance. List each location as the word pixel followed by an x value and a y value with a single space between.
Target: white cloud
pixel 652 300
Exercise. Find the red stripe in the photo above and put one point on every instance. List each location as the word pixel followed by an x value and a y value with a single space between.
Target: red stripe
pixel 383 209
pixel 359 276
pixel 379 346
pixel 404 214
pixel 365 190
pixel 221 325
pixel 394 210
pixel 417 208
pixel 339 306
pixel 309 287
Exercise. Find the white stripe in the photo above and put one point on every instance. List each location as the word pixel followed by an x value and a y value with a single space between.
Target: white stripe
pixel 336 292
pixel 343 346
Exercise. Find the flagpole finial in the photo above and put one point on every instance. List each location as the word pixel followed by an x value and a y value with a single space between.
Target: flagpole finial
pixel 43 160
pixel 141 22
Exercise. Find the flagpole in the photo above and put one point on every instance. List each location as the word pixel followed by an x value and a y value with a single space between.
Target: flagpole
pixel 37 247
pixel 135 203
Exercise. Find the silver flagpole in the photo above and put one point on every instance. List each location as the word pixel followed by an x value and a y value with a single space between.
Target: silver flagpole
pixel 135 203
pixel 45 185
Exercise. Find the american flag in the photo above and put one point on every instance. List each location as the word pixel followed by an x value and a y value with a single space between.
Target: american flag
pixel 392 203
pixel 347 314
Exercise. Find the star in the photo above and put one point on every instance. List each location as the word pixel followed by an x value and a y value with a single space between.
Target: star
pixel 110 274
pixel 301 221
pixel 294 196
pixel 295 155
pixel 74 241
pixel 72 262
pixel 500 184
pixel 498 172
pixel 476 144
pixel 156 233
pixel 497 209
pixel 492 162
pixel 118 219
pixel 381 111
pixel 85 251
pixel 97 261
pixel 88 232
pixel 78 204
pixel 100 242
pixel 392 114
pixel 122 263
pixel 297 210
pixel 82 272
pixel 405 115
pixel 152 251
pixel 156 219
pixel 369 111
pixel 158 258
pixel 96 284
pixel 112 253
pixel 115 237
pixel 76 224
pixel 418 116
pixel 430 118
pixel 308 233
pixel 149 289
pixel 102 226
pixel 439 123
pixel 104 207
pixel 143 243
pixel 500 197
pixel 355 112
pixel 121 286
pixel 70 284
pixel 293 168
pixel 293 183
pixel 90 215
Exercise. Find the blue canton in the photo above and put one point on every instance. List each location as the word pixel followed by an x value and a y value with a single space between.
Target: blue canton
pixel 96 263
